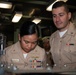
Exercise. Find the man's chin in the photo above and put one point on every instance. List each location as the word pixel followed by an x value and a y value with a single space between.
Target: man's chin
pixel 28 51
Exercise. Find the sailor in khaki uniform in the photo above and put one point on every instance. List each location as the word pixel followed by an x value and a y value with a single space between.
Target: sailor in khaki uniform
pixel 63 41
pixel 25 54
pixel 64 50
pixel 29 61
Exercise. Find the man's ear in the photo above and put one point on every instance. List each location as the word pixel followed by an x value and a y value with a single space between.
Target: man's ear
pixel 19 37
pixel 69 15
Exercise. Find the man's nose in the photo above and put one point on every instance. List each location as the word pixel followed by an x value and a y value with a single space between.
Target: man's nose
pixel 30 45
pixel 57 18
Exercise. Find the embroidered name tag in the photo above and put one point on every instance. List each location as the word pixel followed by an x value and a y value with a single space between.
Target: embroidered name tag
pixel 15 60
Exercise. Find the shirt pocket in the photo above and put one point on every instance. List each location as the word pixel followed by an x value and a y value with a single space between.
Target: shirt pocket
pixel 72 47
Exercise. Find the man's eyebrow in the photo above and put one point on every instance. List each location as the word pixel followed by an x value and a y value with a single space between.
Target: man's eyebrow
pixel 29 41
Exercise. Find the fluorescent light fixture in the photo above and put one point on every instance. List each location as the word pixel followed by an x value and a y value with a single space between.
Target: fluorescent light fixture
pixel 64 0
pixel 36 20
pixel 17 17
pixel 6 5
pixel 50 7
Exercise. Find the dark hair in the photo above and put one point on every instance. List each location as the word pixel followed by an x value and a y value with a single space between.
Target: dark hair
pixel 59 4
pixel 28 28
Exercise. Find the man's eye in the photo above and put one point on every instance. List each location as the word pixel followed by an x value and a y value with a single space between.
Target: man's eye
pixel 26 42
pixel 30 42
pixel 34 42
pixel 61 15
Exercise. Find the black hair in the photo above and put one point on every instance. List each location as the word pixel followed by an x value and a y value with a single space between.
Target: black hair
pixel 28 28
pixel 59 4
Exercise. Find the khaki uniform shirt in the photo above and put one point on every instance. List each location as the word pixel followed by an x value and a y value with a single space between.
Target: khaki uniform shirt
pixel 64 50
pixel 14 57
